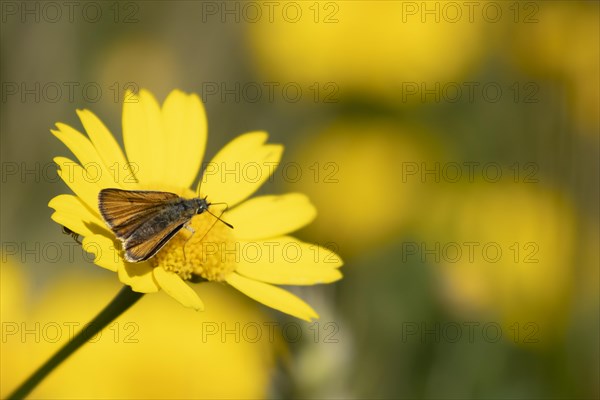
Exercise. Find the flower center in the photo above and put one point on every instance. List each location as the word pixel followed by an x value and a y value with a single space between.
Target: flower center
pixel 209 252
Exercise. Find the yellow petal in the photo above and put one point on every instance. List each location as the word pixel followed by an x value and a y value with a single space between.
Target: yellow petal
pixel 240 168
pixel 288 261
pixel 272 296
pixel 106 254
pixel 108 149
pixel 76 179
pixel 84 151
pixel 185 125
pixel 175 287
pixel 143 137
pixel 289 274
pixel 268 216
pixel 137 275
pixel 75 215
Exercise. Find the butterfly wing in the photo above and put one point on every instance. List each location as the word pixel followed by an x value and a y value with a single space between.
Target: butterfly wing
pixel 124 211
pixel 140 248
pixel 143 220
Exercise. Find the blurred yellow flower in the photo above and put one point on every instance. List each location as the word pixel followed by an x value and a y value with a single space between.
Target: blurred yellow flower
pixel 198 361
pixel 359 179
pixel 563 43
pixel 505 250
pixel 164 149
pixel 371 47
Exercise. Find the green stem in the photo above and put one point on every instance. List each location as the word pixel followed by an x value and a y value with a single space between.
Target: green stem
pixel 122 301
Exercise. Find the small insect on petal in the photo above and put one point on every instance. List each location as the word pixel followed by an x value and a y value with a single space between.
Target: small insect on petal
pixel 69 232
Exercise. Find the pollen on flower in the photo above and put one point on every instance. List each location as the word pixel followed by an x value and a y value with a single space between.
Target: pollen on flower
pixel 208 255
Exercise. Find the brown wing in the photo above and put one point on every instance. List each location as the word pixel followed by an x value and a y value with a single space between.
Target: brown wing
pixel 124 211
pixel 139 249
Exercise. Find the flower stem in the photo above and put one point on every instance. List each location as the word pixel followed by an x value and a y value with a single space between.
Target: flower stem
pixel 122 301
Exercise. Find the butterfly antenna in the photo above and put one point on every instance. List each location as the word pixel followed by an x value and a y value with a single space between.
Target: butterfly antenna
pixel 217 218
pixel 209 229
pixel 222 212
pixel 200 183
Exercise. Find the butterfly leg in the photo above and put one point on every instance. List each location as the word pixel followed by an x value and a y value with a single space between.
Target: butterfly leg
pixel 190 229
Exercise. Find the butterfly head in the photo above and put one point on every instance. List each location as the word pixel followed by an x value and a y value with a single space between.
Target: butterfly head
pixel 201 205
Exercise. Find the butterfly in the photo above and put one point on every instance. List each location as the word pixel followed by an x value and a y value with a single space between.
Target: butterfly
pixel 146 220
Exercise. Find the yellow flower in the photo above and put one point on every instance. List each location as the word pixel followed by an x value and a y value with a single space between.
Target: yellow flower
pixel 164 149
pixel 232 339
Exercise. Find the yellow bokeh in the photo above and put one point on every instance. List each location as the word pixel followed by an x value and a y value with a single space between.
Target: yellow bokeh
pixel 355 178
pixel 372 47
pixel 506 252
pixel 118 67
pixel 157 349
pixel 564 44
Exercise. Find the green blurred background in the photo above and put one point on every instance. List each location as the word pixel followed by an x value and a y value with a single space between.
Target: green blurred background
pixel 451 149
